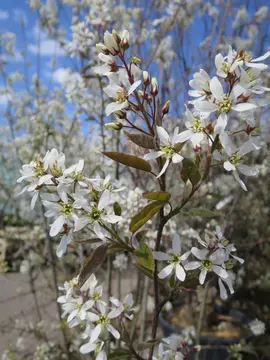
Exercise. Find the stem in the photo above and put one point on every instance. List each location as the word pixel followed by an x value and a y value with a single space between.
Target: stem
pixel 144 308
pixel 200 319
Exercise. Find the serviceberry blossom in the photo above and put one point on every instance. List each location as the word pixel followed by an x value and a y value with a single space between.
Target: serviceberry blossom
pixel 207 262
pixel 245 58
pixel 169 149
pixel 235 160
pixel 119 89
pixel 257 327
pixel 76 308
pixel 174 259
pixel 196 129
pixel 96 347
pixel 109 66
pixel 102 320
pixel 95 215
pixel 123 307
pixel 201 84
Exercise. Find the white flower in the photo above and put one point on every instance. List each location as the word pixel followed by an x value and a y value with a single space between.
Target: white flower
pixel 63 210
pixel 168 149
pixel 208 262
pixel 119 89
pixel 174 258
pixel 235 160
pixel 97 347
pixel 101 321
pixel 76 308
pixel 229 282
pixel 195 132
pixel 224 64
pixel 75 172
pixel 251 81
pixel 96 215
pixel 223 102
pixel 245 58
pixel 201 84
pixel 69 287
pixel 94 292
pixel 65 240
pixel 122 307
pixel 110 43
pixel 108 67
pixel 257 327
pixel 55 162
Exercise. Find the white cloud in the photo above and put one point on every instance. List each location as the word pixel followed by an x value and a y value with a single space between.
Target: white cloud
pixel 4 98
pixel 47 47
pixel 4 15
pixel 61 75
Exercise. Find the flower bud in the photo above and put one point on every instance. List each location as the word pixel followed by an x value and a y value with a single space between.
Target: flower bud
pixel 120 114
pixel 154 86
pixel 146 78
pixel 102 48
pixel 165 109
pixel 116 37
pixel 115 125
pixel 197 348
pixel 110 43
pixel 197 147
pixel 135 60
pixel 125 40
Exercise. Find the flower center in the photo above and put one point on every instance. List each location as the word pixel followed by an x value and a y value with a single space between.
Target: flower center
pixel 121 95
pixel 244 55
pixel 77 175
pixel 175 258
pixel 229 265
pixel 56 171
pixel 95 214
pixel 168 150
pixel 207 264
pixel 39 168
pixel 225 104
pixel 235 159
pixel 196 126
pixel 79 306
pixel 66 209
pixel 251 77
pixel 225 66
pixel 96 296
pixel 103 320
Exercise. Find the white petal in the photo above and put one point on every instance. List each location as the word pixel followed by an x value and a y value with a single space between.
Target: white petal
pixel 104 199
pixel 134 86
pixel 221 123
pixel 98 231
pixel 112 219
pixel 180 272
pixel 95 333
pixel 257 66
pixel 87 348
pixel 199 253
pixel 243 107
pixel 185 256
pixel 113 331
pixel 57 225
pixel 159 255
pixel 220 271
pixel 229 166
pixel 263 57
pixel 202 276
pixel 216 88
pixel 166 271
pixel 115 312
pixel 153 155
pixel 197 138
pixel 176 158
pixel 164 168
pixel 129 300
pixel 163 135
pixel 176 243
pixel 34 199
pixel 237 178
pixel 62 247
pixel 247 170
pixel 222 289
pixel 80 223
pixel 184 136
pixel 114 106
pixel 205 106
pixel 192 265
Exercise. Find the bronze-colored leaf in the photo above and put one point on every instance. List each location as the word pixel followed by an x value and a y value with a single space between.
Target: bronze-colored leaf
pixel 143 140
pixel 128 160
pixel 145 214
pixel 95 259
pixel 157 195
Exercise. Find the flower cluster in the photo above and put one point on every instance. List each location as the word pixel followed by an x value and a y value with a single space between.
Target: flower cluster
pixel 77 201
pixel 84 306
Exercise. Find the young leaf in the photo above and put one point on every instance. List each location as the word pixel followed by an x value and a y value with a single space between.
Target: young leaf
pixel 157 195
pixel 200 212
pixel 190 172
pixel 95 259
pixel 117 208
pixel 145 214
pixel 116 248
pixel 145 257
pixel 143 140
pixel 146 271
pixel 119 354
pixel 129 160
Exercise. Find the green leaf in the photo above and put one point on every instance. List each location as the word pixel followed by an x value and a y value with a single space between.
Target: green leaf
pixel 147 344
pixel 190 172
pixel 143 140
pixel 116 248
pixel 157 195
pixel 145 257
pixel 145 214
pixel 129 160
pixel 119 354
pixel 200 212
pixel 95 259
pixel 140 235
pixel 117 208
pixel 146 271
